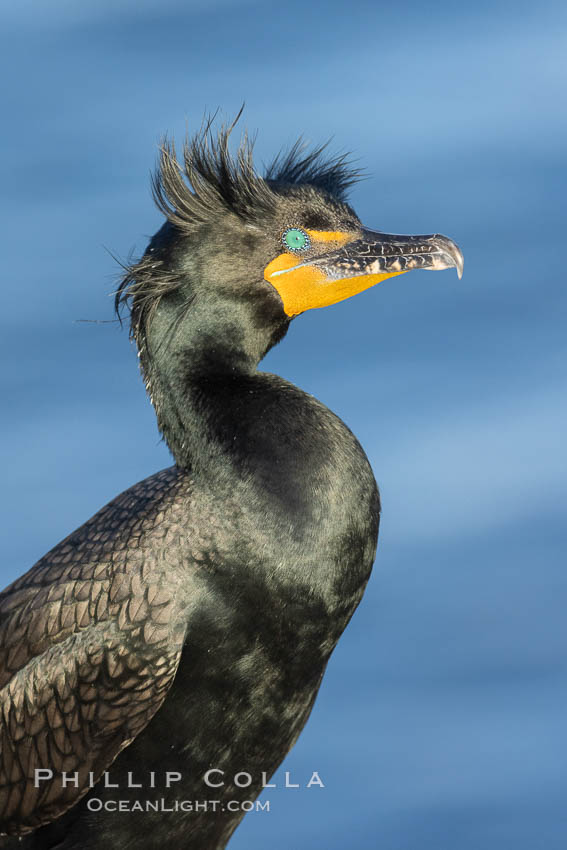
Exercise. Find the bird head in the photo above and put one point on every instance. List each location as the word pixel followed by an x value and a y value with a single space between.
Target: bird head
pixel 240 254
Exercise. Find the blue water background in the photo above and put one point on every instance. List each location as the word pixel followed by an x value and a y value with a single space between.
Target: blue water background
pixel 442 720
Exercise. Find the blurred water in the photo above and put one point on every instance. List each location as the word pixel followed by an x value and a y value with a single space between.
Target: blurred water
pixel 440 723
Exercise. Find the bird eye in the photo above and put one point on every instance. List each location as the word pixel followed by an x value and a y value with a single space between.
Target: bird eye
pixel 295 239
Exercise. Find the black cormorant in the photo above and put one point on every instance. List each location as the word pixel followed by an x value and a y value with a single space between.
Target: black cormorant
pixel 186 627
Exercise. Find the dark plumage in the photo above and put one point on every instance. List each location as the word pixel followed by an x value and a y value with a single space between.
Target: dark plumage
pixel 188 624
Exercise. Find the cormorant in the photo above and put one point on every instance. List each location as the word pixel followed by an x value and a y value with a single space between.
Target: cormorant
pixel 186 627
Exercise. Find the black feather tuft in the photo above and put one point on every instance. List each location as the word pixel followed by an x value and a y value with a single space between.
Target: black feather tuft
pixel 211 181
pixel 300 166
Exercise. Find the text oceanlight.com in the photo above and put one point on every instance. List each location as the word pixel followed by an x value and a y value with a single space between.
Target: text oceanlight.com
pixel 95 804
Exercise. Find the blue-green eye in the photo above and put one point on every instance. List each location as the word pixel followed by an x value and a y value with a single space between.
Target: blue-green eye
pixel 295 239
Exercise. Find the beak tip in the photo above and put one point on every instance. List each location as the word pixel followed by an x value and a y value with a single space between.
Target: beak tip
pixel 459 265
pixel 456 255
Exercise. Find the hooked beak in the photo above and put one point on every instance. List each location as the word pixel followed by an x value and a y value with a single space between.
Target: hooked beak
pixel 363 261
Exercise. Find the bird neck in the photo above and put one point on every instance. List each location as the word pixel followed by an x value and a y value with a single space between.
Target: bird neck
pixel 260 449
pixel 200 366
